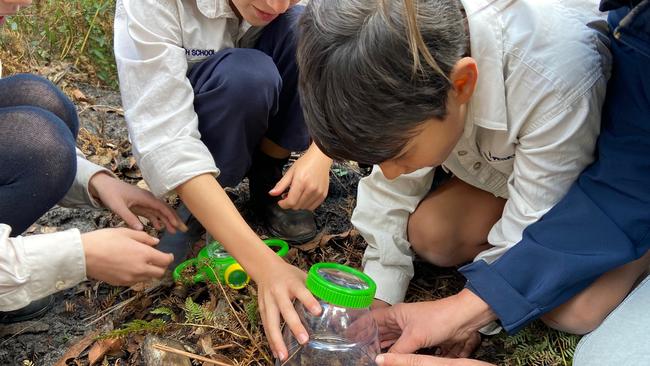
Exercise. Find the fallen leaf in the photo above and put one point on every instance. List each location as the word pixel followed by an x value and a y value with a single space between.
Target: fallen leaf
pixel 291 255
pixel 135 343
pixel 322 239
pixel 143 185
pixel 312 244
pixel 101 159
pixel 132 162
pixel 77 348
pixel 47 229
pixel 145 285
pixel 206 345
pixel 79 96
pixel 102 347
pixel 133 173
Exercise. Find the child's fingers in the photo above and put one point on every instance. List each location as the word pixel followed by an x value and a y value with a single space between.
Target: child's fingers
pixel 293 321
pixel 273 330
pixel 403 345
pixel 157 218
pixel 470 345
pixel 384 318
pixel 159 259
pixel 283 183
pixel 293 198
pixel 386 344
pixel 129 217
pixel 140 236
pixel 308 300
pixel 155 221
pixel 168 216
pixel 393 359
pixel 19 2
pixel 153 271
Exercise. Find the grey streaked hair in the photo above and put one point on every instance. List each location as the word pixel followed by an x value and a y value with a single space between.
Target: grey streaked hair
pixel 371 71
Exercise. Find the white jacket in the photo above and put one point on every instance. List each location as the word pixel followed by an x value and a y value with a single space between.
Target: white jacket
pixel 156 43
pixel 531 128
pixel 32 267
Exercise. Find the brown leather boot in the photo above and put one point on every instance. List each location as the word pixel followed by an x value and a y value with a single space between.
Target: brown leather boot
pixel 296 226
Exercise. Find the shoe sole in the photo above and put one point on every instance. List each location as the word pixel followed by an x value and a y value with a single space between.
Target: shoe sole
pixel 30 316
pixel 299 240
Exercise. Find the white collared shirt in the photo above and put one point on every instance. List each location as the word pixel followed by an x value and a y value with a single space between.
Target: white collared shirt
pixel 32 267
pixel 156 42
pixel 531 128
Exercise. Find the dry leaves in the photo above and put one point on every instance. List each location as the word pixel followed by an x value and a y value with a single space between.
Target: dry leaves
pixel 103 347
pixel 79 96
pixel 76 350
pixel 321 240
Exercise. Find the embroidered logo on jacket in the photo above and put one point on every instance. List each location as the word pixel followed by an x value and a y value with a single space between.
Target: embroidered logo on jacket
pixel 198 52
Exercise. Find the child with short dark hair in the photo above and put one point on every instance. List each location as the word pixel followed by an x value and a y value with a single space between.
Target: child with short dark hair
pixel 504 96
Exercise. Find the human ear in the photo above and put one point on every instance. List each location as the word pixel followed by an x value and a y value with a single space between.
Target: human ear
pixel 463 78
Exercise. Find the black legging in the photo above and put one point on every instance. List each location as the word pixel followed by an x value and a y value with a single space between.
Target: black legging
pixel 38 129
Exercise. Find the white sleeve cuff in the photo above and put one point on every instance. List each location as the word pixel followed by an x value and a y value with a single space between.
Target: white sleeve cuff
pixel 392 281
pixel 79 196
pixel 46 264
pixel 175 163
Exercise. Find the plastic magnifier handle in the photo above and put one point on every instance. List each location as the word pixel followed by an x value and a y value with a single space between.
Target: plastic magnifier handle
pixel 178 271
pixel 278 243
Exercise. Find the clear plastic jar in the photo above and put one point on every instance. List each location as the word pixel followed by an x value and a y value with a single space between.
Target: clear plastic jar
pixel 345 334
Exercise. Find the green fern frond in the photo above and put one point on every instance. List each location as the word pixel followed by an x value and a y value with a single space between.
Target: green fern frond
pixel 163 310
pixel 135 327
pixel 193 312
pixel 252 313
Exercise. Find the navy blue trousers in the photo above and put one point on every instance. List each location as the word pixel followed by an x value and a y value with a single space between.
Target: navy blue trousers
pixel 38 129
pixel 604 220
pixel 245 94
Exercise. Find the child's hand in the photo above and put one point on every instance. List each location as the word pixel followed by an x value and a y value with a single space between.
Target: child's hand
pixel 11 7
pixel 451 322
pixel 379 304
pixel 123 256
pixel 129 202
pixel 307 180
pixel 395 359
pixel 280 285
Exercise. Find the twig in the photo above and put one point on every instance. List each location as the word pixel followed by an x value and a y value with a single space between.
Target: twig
pixel 103 108
pixel 164 348
pixel 110 310
pixel 30 325
pixel 223 346
pixel 121 305
pixel 292 355
pixel 90 28
pixel 213 327
pixel 266 357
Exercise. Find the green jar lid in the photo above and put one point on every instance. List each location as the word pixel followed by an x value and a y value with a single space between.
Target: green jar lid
pixel 341 285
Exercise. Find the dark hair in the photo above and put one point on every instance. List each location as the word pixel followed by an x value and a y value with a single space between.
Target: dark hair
pixel 371 71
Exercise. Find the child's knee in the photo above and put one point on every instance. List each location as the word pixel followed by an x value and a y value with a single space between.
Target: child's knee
pixel 435 243
pixel 247 77
pixel 577 318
